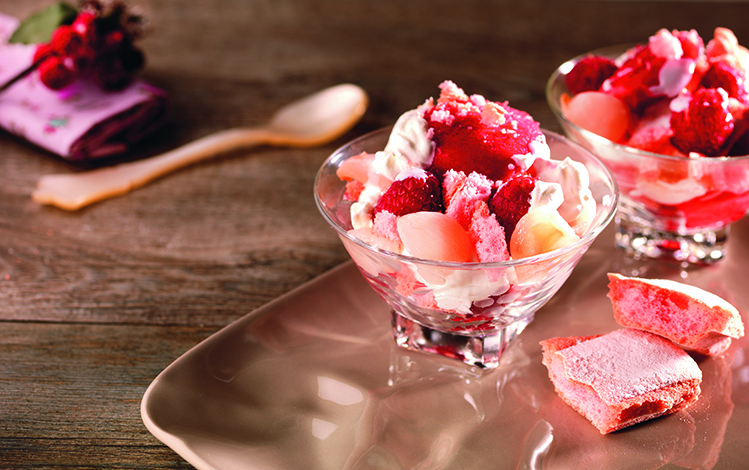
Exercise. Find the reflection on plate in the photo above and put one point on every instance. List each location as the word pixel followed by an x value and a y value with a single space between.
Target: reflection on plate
pixel 314 381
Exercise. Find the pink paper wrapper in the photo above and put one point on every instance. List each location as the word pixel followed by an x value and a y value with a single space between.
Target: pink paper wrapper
pixel 81 121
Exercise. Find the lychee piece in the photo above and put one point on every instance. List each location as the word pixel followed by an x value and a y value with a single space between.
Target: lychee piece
pixel 600 113
pixel 541 230
pixel 435 236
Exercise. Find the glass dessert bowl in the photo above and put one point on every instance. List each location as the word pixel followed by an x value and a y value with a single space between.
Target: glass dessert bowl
pixel 674 205
pixel 468 311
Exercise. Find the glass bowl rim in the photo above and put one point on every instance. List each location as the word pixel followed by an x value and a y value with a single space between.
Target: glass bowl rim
pixel 586 239
pixel 613 52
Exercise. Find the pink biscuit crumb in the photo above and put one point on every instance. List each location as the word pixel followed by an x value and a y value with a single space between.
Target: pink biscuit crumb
pixel 690 317
pixel 488 236
pixel 386 226
pixel 622 378
pixel 463 195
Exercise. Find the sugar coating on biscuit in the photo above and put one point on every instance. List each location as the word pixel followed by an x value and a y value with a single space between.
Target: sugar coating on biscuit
pixel 622 378
pixel 627 363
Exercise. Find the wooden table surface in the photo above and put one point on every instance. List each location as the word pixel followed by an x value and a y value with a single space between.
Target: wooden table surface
pixel 95 303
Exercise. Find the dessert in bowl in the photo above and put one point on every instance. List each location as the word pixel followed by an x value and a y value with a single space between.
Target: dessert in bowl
pixel 466 218
pixel 669 118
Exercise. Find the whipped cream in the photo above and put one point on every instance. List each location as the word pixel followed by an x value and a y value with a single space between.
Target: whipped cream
pixel 410 140
pixel 574 182
pixel 408 147
pixel 460 288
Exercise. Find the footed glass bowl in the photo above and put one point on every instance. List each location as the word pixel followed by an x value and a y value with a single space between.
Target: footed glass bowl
pixel 671 207
pixel 491 303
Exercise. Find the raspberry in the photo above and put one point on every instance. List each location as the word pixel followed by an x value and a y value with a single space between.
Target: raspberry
pixel 416 192
pixel 55 74
pixel 728 77
pixel 706 125
pixel 691 43
pixel 589 74
pixel 511 201
pixel 631 83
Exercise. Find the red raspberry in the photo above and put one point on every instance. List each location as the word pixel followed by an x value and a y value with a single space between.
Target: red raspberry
pixel 631 83
pixel 706 125
pixel 728 77
pixel 511 201
pixel 55 74
pixel 417 192
pixel 691 43
pixel 589 74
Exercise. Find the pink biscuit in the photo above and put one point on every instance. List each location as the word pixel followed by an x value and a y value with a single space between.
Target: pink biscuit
pixel 487 236
pixel 690 317
pixel 622 378
pixel 386 225
pixel 463 195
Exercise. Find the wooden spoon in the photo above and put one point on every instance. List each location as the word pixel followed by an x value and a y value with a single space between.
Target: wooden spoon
pixel 314 120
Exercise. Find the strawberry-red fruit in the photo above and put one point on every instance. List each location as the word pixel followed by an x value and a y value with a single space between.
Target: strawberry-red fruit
pixel 468 142
pixel 42 51
pixel 416 191
pixel 706 125
pixel 66 42
pixel 691 44
pixel 511 201
pixel 632 81
pixel 589 74
pixel 55 74
pixel 730 78
pixel 85 26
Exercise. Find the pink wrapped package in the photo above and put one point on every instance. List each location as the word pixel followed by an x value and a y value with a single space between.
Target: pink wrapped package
pixel 81 121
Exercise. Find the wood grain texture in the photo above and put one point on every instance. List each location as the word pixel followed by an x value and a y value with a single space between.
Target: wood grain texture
pixel 95 303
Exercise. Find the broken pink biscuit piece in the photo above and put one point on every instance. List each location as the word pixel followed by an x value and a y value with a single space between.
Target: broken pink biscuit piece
pixel 622 378
pixel 692 318
pixel 465 195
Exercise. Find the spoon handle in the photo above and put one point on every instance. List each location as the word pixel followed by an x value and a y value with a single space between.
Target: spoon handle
pixel 75 190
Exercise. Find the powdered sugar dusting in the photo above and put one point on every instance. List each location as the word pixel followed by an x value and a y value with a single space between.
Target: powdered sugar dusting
pixel 707 298
pixel 627 363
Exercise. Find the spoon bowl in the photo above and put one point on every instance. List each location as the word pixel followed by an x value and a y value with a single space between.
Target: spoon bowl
pixel 320 117
pixel 314 120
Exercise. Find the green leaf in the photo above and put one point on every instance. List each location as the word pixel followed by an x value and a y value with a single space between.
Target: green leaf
pixel 39 26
